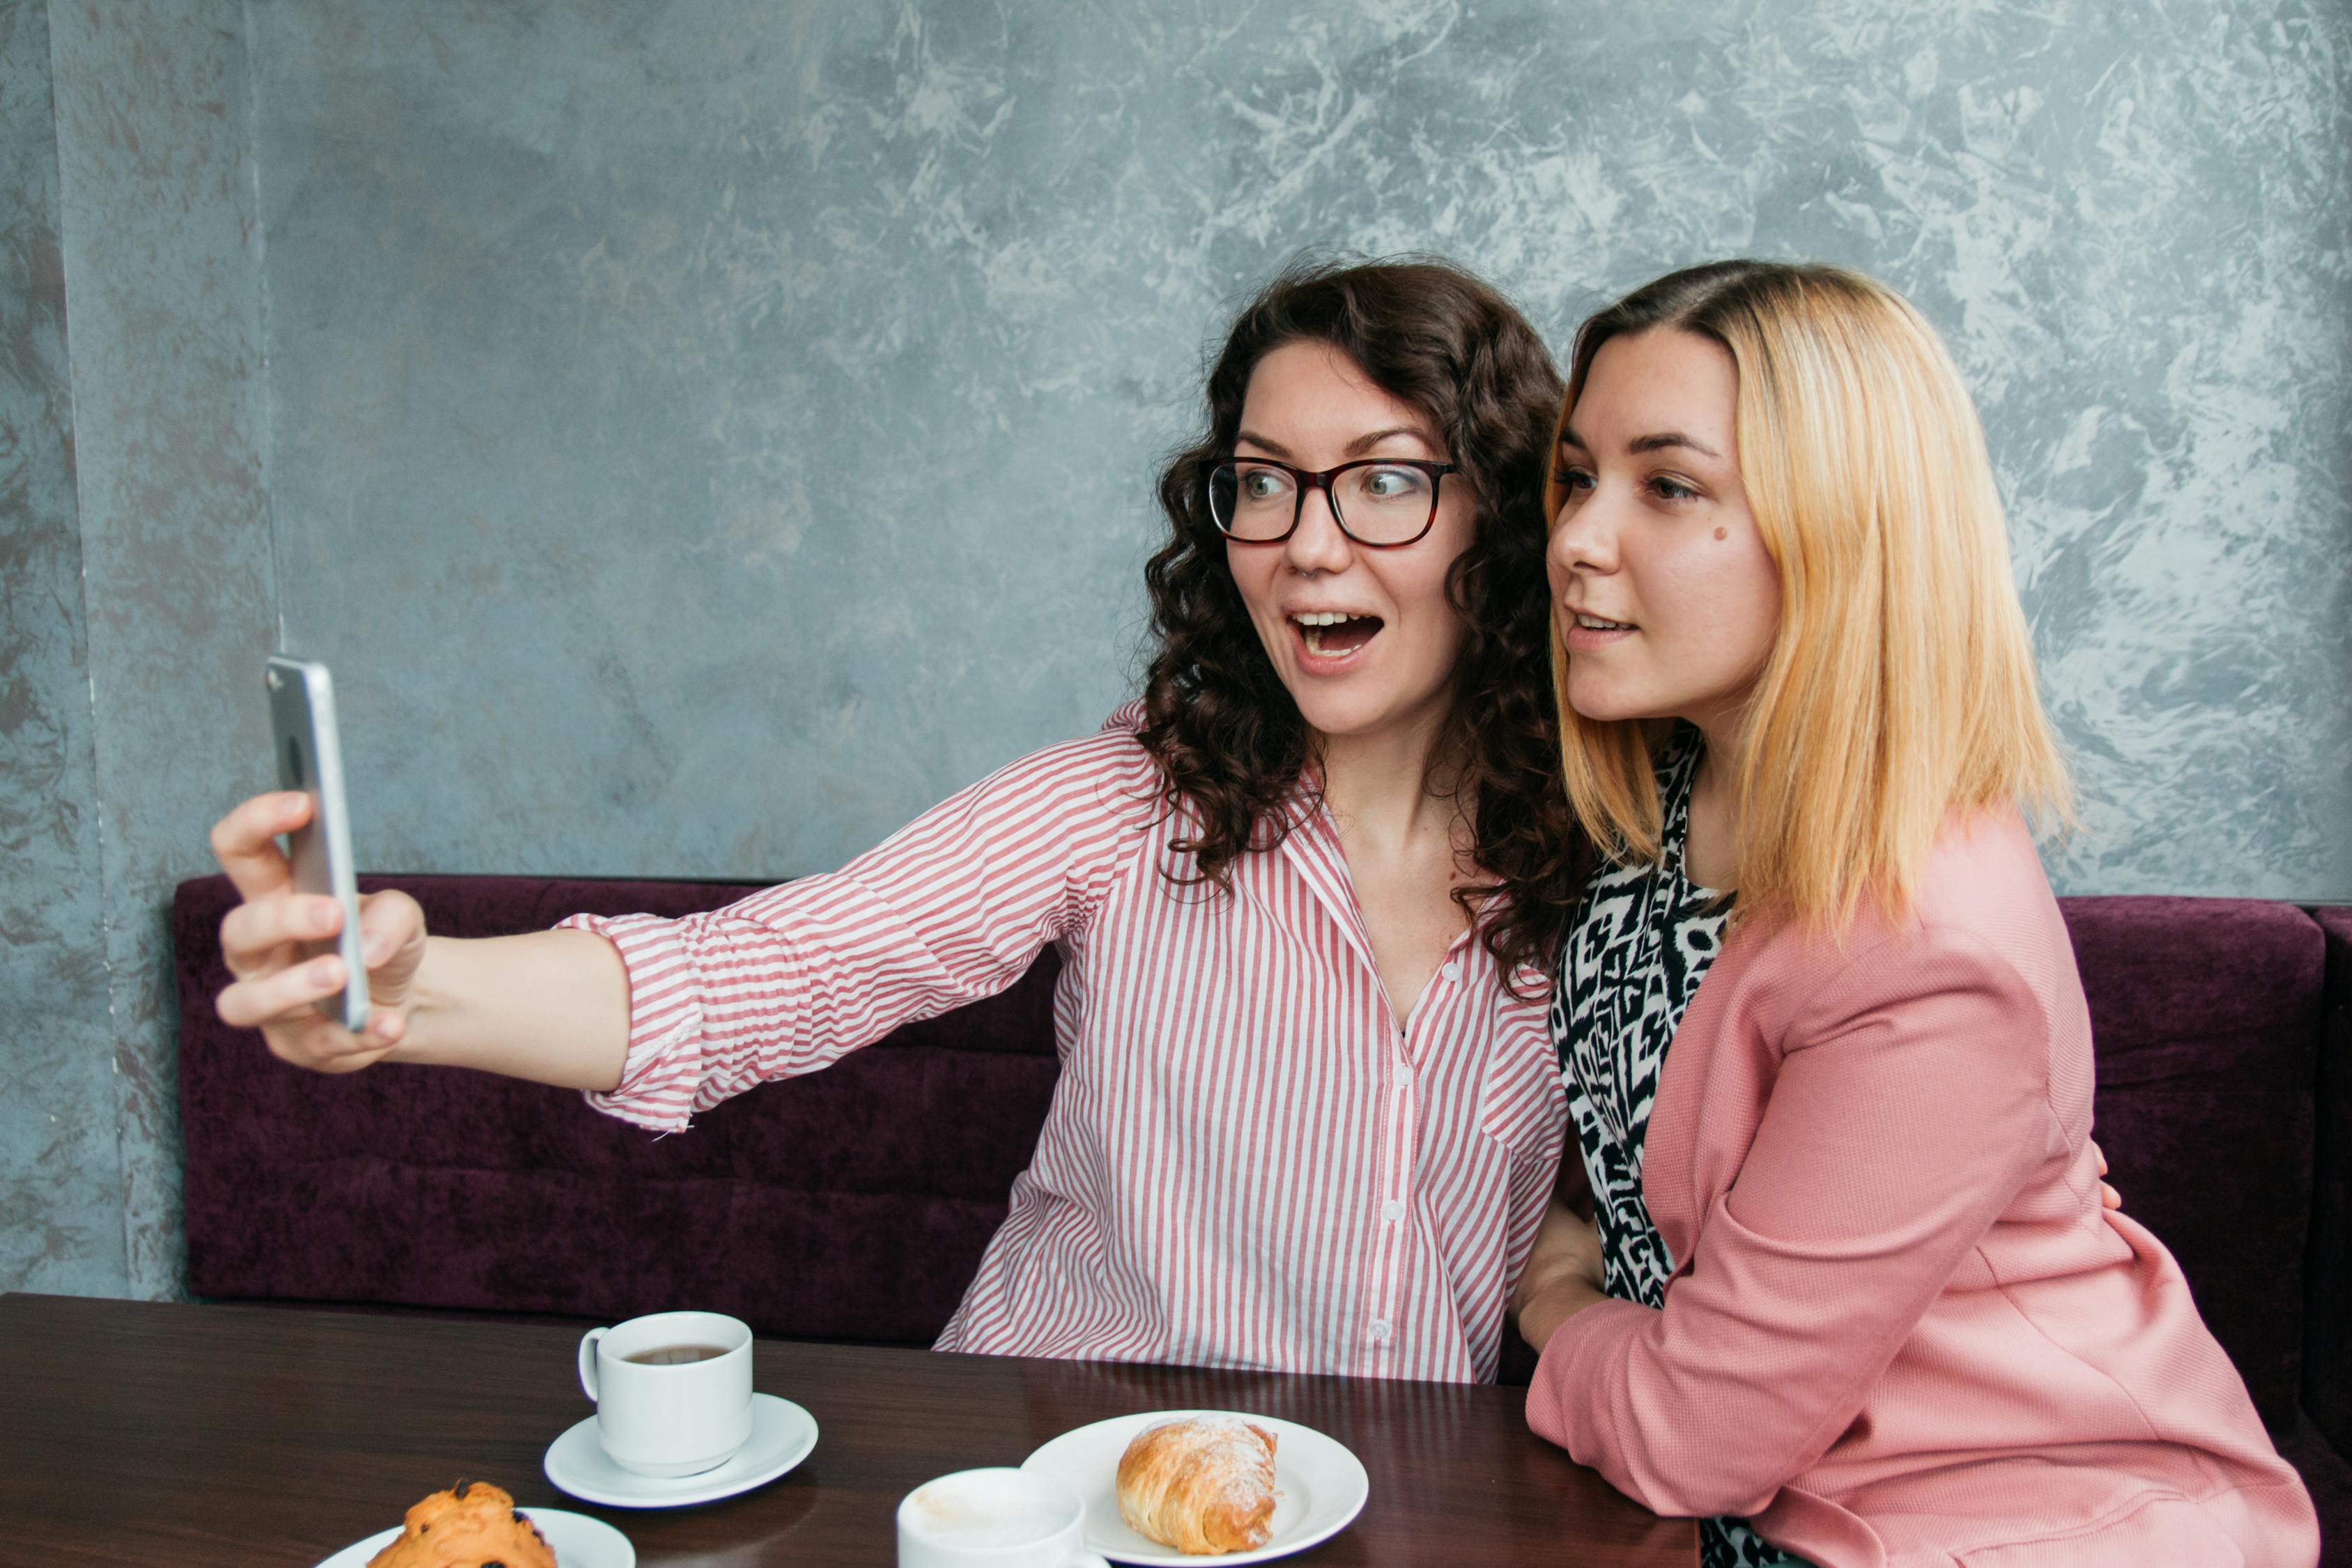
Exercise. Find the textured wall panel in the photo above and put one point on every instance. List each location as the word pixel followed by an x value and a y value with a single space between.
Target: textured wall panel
pixel 709 432
pixel 60 1201
pixel 161 267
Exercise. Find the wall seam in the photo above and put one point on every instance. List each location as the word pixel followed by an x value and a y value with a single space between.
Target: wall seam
pixel 266 437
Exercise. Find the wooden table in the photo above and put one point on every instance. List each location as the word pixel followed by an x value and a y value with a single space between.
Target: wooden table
pixel 148 1434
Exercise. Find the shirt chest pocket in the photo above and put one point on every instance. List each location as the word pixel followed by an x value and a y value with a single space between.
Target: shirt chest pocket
pixel 1522 1105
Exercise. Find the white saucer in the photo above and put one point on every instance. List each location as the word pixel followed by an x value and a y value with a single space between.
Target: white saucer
pixel 1318 1487
pixel 579 1542
pixel 781 1435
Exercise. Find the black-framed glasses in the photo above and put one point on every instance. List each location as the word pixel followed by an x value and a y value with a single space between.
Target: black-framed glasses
pixel 1379 502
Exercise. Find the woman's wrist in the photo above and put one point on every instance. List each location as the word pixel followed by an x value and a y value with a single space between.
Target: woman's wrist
pixel 426 1011
pixel 551 1007
pixel 1562 1275
pixel 1551 1302
pixel 1544 1276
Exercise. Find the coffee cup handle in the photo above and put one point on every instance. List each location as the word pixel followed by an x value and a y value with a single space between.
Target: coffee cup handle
pixel 588 1342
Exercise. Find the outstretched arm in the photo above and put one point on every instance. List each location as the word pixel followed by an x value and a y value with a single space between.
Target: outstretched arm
pixel 658 1017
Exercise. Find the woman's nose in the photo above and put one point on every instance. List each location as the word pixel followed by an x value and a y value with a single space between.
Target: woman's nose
pixel 1317 544
pixel 1583 540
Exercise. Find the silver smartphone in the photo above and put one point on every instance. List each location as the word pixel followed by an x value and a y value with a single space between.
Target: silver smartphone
pixel 302 723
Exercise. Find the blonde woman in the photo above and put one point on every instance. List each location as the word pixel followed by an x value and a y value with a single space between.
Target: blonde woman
pixel 1849 1296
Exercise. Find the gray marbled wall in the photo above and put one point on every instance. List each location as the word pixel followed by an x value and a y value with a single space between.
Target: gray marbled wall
pixel 702 433
pixel 706 433
pixel 60 1178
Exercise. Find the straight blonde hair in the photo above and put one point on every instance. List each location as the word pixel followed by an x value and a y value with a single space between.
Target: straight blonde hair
pixel 1901 686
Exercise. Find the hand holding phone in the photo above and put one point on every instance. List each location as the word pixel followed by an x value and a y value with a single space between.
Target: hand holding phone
pixel 327 976
pixel 291 977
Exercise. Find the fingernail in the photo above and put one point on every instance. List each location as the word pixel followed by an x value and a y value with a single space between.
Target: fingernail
pixel 328 972
pixel 322 918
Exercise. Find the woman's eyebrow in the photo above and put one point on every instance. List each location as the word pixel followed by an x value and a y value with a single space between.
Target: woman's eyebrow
pixel 1662 439
pixel 1370 439
pixel 1356 447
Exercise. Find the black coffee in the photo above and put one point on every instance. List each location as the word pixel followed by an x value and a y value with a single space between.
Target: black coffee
pixel 675 1355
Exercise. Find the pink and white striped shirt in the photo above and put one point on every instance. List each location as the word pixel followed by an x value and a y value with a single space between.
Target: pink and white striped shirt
pixel 1247 1162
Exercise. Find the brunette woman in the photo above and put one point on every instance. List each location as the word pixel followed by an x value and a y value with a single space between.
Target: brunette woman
pixel 1852 1297
pixel 1304 891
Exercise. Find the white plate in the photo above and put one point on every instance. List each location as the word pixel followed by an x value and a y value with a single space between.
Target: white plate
pixel 579 1542
pixel 781 1435
pixel 1318 1487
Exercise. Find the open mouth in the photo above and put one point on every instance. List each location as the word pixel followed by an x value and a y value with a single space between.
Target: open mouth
pixel 1335 634
pixel 1595 624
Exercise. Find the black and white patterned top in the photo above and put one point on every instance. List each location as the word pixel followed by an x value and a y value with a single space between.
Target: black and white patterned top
pixel 1644 940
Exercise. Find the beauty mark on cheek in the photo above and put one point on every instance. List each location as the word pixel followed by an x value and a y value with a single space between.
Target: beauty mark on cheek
pixel 1723 534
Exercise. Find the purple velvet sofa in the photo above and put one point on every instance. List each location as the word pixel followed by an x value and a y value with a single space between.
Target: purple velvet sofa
pixel 853 1204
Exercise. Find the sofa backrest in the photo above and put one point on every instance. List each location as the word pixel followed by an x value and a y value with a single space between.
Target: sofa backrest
pixel 2205 1019
pixel 855 1203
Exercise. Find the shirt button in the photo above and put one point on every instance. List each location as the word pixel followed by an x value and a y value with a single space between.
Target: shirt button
pixel 1404 1077
pixel 1393 1211
pixel 1453 969
pixel 1379 1331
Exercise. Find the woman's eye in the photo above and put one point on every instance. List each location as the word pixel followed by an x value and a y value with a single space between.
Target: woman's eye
pixel 1388 484
pixel 1576 482
pixel 1666 489
pixel 1261 484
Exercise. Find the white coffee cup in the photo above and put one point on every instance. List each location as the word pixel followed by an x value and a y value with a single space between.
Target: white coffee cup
pixel 672 1416
pixel 993 1518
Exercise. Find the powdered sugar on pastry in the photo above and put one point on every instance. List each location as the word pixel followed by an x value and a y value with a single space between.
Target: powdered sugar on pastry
pixel 1202 1484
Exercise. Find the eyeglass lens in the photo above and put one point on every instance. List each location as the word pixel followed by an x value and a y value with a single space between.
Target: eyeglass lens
pixel 1379 503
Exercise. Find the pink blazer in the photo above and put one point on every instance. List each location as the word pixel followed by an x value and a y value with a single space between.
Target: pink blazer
pixel 1901 1330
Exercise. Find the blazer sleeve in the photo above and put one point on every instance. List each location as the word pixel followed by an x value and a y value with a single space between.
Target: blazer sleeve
pixel 1910 1108
pixel 952 908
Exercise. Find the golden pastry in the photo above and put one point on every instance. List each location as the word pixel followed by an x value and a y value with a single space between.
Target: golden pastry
pixel 1203 1484
pixel 472 1525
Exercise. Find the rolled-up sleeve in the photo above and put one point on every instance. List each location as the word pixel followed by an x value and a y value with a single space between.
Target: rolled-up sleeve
pixel 952 908
pixel 1910 1108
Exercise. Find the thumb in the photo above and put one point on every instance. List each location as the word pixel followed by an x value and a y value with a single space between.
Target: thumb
pixel 390 923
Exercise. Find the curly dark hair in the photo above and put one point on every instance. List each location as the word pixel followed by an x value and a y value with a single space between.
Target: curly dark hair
pixel 1229 739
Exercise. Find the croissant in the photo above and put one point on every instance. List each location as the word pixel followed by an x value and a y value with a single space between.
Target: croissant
pixel 1203 1484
